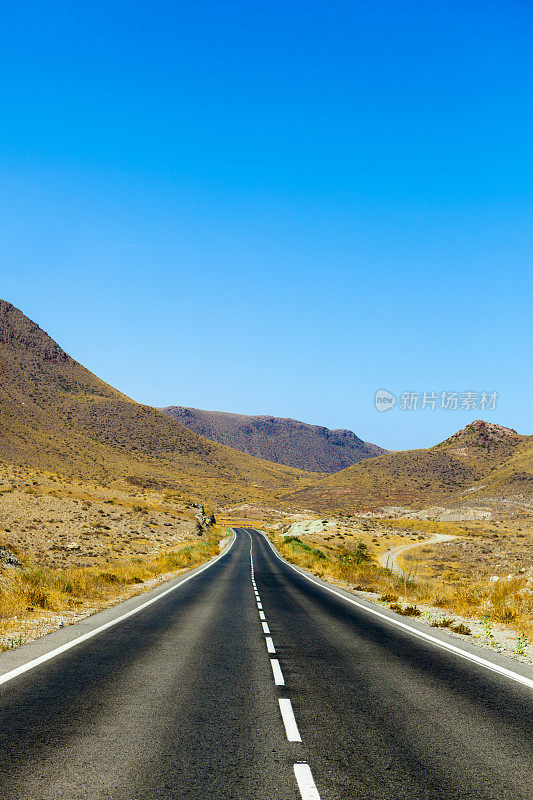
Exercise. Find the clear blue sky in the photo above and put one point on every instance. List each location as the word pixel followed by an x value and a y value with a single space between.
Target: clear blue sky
pixel 277 207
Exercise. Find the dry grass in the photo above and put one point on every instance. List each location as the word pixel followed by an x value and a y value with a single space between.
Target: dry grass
pixel 429 526
pixel 81 546
pixel 505 601
pixel 52 523
pixel 29 593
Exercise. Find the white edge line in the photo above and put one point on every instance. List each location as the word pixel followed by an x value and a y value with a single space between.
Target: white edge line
pixel 14 673
pixel 289 721
pixel 304 779
pixel 451 648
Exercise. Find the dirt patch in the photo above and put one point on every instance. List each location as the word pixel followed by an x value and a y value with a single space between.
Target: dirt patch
pixel 63 524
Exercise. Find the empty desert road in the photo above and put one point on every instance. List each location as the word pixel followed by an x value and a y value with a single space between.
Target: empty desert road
pixel 250 682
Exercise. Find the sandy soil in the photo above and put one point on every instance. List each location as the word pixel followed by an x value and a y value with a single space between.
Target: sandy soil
pixel 58 524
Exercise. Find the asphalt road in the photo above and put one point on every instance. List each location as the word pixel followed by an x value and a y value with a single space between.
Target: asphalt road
pixel 184 700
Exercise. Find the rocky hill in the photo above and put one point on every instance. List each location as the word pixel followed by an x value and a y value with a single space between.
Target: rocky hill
pixel 483 459
pixel 56 415
pixel 479 436
pixel 284 441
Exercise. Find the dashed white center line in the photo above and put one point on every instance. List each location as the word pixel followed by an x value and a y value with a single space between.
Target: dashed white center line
pixel 279 680
pixel 306 784
pixel 287 715
pixel 302 771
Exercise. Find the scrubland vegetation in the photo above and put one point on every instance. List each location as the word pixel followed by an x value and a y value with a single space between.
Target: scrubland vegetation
pixel 28 594
pixel 69 548
pixel 507 600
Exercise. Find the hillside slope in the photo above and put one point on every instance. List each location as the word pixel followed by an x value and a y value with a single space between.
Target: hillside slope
pixel 284 441
pixel 56 415
pixel 482 458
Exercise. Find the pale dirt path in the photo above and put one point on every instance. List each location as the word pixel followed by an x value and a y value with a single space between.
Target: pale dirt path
pixel 390 557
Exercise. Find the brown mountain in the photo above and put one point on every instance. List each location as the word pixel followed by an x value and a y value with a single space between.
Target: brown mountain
pixel 491 457
pixel 56 415
pixel 284 441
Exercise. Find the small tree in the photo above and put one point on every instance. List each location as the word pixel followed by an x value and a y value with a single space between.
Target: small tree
pixel 361 553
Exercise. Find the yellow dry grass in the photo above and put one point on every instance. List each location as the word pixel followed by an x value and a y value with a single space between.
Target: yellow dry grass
pixel 505 601
pixel 30 593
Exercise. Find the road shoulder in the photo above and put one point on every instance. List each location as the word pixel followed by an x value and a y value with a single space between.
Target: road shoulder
pixel 433 636
pixel 41 649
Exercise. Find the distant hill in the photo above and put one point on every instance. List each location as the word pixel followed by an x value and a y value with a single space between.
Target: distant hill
pixel 284 441
pixel 483 459
pixel 56 415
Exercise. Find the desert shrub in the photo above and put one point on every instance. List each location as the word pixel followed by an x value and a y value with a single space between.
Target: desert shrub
pixel 411 611
pixel 109 577
pixel 361 553
pixel 35 577
pixel 408 611
pixel 445 622
pixel 172 560
pixel 441 601
pixel 296 543
pixel 37 596
pixel 461 628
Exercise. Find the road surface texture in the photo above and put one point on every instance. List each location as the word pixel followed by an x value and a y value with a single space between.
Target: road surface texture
pixel 250 681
